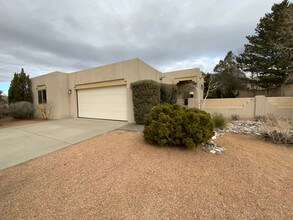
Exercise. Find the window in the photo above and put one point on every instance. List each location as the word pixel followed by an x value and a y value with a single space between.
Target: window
pixel 42 96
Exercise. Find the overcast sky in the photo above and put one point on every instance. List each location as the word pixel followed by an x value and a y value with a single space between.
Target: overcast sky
pixel 44 36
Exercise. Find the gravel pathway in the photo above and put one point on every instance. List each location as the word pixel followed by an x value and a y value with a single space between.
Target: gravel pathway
pixel 118 176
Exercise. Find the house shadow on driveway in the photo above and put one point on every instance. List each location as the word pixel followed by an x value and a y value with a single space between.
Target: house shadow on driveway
pixel 22 143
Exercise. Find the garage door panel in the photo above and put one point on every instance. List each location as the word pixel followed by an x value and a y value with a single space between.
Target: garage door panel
pixel 103 115
pixel 101 108
pixel 104 103
pixel 101 99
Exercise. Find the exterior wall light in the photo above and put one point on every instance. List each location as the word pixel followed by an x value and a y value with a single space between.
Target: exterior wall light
pixel 69 91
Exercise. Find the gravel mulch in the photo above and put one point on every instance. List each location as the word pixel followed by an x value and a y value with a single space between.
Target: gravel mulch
pixel 118 176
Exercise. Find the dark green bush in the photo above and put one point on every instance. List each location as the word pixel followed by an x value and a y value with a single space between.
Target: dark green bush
pixel 169 93
pixel 22 110
pixel 166 93
pixel 145 95
pixel 174 95
pixel 148 93
pixel 175 125
pixel 219 121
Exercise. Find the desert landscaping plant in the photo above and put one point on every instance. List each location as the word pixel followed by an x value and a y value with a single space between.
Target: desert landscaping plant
pixel 174 125
pixel 219 121
pixel 4 112
pixel 22 110
pixel 278 136
pixel 45 109
pixel 260 118
pixel 235 117
pixel 277 130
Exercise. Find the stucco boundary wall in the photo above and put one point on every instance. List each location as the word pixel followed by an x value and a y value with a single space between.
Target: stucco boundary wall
pixel 249 108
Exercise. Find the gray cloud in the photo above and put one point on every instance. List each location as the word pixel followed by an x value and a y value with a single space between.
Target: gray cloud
pixel 44 36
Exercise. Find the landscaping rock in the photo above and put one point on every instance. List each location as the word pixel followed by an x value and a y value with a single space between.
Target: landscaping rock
pixel 237 127
pixel 245 127
pixel 212 147
pixel 218 152
pixel 218 133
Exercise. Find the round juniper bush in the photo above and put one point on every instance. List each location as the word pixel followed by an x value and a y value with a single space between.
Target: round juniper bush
pixel 174 125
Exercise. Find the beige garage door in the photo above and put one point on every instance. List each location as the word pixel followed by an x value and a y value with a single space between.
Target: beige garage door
pixel 103 103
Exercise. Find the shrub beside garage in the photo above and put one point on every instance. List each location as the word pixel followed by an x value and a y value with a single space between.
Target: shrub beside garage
pixel 147 94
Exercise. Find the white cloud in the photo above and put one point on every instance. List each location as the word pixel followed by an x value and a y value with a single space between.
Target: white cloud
pixel 206 64
pixel 44 35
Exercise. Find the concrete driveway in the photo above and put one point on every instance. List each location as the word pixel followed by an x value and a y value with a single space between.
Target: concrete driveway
pixel 25 142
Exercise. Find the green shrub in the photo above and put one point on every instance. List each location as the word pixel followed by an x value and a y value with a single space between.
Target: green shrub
pixel 22 110
pixel 175 125
pixel 169 93
pixel 219 121
pixel 148 93
pixel 166 93
pixel 145 95
pixel 174 95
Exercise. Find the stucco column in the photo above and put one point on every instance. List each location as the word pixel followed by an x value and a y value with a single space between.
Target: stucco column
pixel 260 105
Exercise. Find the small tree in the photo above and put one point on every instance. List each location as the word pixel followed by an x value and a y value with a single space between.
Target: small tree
pixel 20 88
pixel 210 88
pixel 45 109
pixel 229 77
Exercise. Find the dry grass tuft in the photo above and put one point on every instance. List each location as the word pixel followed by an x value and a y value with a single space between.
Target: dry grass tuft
pixel 277 130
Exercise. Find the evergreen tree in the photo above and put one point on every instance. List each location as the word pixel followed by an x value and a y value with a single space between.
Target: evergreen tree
pixel 20 88
pixel 229 77
pixel 269 54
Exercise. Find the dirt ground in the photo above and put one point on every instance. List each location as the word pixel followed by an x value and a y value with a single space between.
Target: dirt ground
pixel 118 176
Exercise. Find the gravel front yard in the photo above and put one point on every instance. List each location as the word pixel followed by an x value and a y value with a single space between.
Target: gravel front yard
pixel 118 176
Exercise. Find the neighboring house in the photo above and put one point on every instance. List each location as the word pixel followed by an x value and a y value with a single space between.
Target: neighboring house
pixel 285 90
pixel 3 101
pixel 104 92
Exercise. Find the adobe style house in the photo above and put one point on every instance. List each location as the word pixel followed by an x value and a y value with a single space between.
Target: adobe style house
pixel 104 92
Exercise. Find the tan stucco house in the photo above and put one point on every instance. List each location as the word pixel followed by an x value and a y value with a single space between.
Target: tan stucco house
pixel 104 92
